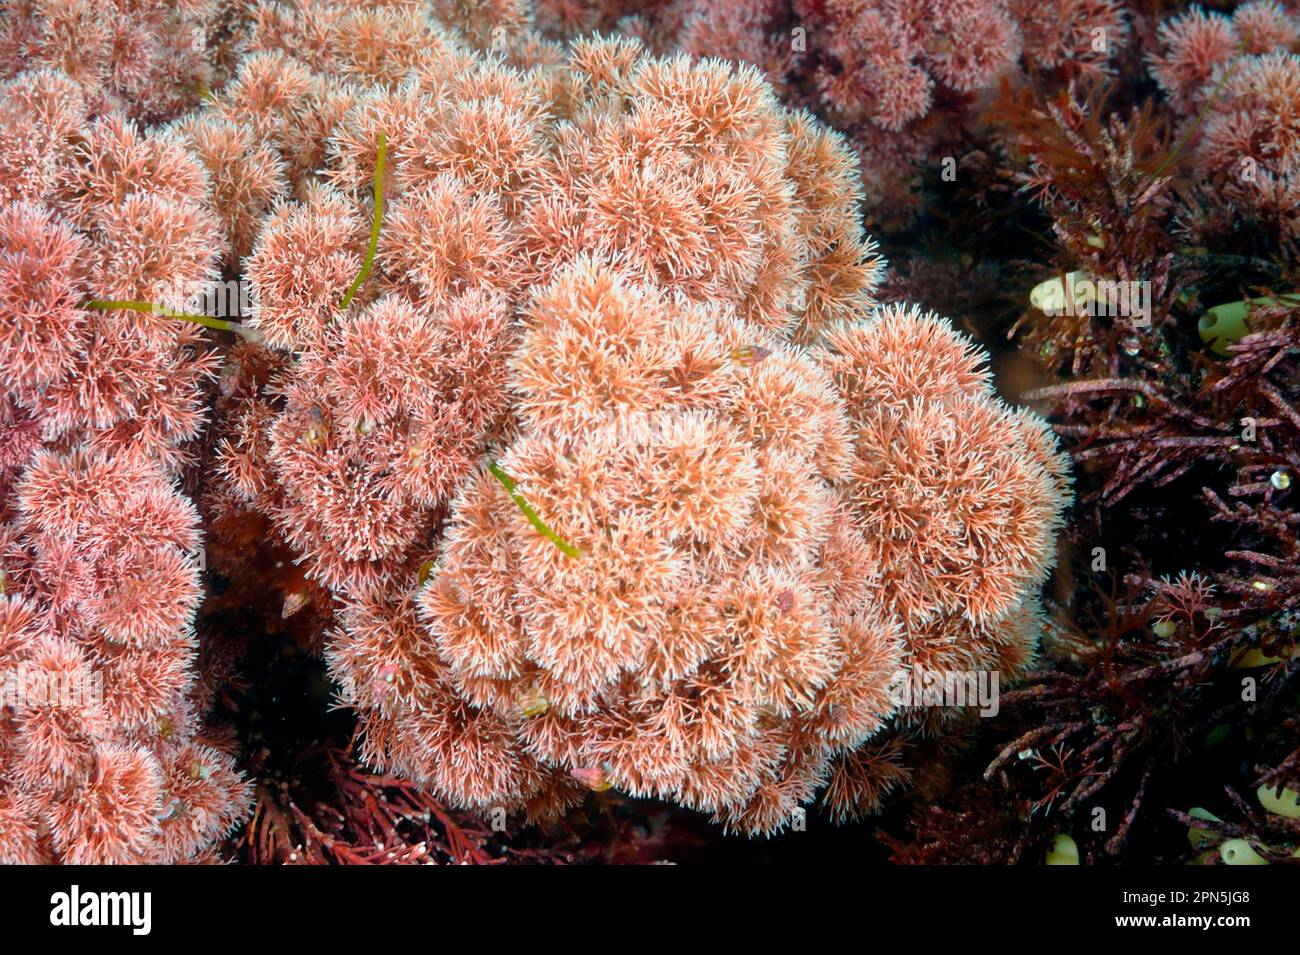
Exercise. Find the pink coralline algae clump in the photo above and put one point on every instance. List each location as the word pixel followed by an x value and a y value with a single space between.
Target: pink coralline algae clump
pixel 145 58
pixel 902 77
pixel 1250 144
pixel 100 759
pixel 100 754
pixel 390 402
pixel 888 57
pixel 742 499
pixel 1236 82
pixel 765 543
pixel 1195 47
pixel 876 60
pixel 565 384
pixel 93 209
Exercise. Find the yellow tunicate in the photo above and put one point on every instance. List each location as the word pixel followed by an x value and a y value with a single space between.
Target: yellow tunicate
pixel 1224 324
pixel 1284 803
pixel 1239 852
pixel 1200 838
pixel 1050 297
pixel 1064 851
pixel 1254 657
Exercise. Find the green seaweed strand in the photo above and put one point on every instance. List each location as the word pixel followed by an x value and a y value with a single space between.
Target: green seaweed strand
pixel 369 262
pixel 150 308
pixel 1187 134
pixel 508 483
